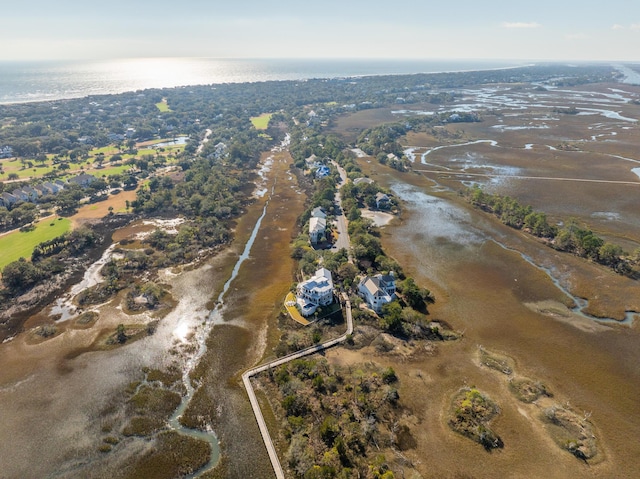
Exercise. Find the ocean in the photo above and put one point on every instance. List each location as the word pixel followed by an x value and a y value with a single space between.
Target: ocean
pixel 54 80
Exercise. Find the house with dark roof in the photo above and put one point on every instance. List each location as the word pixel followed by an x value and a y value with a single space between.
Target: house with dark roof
pixel 82 179
pixel 20 195
pixel 382 201
pixel 32 193
pixel 8 200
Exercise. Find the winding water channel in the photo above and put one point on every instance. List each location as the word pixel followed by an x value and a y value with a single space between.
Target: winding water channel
pixel 200 339
pixel 580 303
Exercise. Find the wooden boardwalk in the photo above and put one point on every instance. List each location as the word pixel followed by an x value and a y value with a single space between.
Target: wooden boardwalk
pixel 246 379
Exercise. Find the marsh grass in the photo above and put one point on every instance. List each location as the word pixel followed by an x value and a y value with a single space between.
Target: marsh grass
pixel 173 455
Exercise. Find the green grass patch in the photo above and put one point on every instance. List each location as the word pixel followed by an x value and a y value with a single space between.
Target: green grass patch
pixel 261 122
pixel 146 151
pixel 17 244
pixel 105 150
pixel 162 106
pixel 112 170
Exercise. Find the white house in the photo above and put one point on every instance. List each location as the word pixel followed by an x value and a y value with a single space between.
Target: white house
pixel 6 152
pixel 378 290
pixel 317 229
pixel 219 150
pixel 314 292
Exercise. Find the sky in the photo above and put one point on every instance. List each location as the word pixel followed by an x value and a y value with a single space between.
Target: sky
pixel 406 29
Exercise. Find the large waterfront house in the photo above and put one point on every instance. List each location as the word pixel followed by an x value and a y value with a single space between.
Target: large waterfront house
pixel 378 290
pixel 314 292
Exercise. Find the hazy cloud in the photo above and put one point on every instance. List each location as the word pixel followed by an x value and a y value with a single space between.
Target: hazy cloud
pixel 576 36
pixel 521 25
pixel 633 26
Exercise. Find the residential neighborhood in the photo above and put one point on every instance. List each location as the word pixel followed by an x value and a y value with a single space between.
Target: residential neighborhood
pixel 31 194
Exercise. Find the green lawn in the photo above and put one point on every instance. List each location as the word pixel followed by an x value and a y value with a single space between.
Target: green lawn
pixel 17 244
pixel 261 122
pixel 110 170
pixel 162 106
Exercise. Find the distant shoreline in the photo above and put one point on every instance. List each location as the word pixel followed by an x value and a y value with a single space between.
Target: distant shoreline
pixel 39 81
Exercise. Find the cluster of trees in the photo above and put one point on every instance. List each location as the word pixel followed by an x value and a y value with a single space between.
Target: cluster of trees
pixel 20 215
pixel 335 418
pixel 356 196
pixel 570 238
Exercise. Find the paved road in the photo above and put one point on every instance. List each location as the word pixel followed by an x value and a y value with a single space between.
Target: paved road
pixel 246 379
pixel 341 221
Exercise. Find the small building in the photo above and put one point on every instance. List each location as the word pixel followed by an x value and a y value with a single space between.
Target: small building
pixel 219 150
pixel 82 179
pixel 8 200
pixel 317 229
pixel 20 195
pixel 382 201
pixel 378 290
pixel 53 188
pixel 312 160
pixel 32 193
pixel 6 152
pixel 42 190
pixel 314 292
pixel 318 213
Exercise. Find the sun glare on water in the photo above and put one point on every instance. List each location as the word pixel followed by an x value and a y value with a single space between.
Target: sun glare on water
pixel 156 72
pixel 182 331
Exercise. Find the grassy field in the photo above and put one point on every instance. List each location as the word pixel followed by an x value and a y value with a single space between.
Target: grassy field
pixel 261 122
pixel 17 244
pixel 162 106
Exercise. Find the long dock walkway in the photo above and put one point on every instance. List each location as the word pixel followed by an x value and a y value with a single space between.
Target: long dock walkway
pixel 246 379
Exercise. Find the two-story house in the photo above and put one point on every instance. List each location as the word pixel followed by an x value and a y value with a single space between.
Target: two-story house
pixel 378 290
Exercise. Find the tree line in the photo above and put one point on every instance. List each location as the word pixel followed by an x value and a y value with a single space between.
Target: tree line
pixel 570 237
